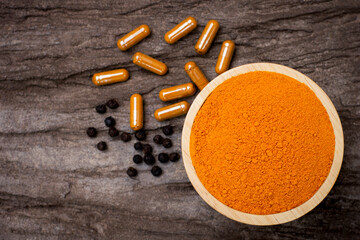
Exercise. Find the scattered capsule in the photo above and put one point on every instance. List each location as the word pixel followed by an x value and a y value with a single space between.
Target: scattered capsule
pixel 180 30
pixel 133 37
pixel 172 111
pixel 136 112
pixel 196 75
pixel 207 37
pixel 109 77
pixel 225 56
pixel 149 63
pixel 176 92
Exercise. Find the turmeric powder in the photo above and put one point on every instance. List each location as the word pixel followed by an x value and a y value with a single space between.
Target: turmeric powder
pixel 262 143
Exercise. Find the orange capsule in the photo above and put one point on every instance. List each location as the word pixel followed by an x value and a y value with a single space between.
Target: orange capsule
pixel 172 111
pixel 207 37
pixel 136 112
pixel 225 56
pixel 180 30
pixel 109 77
pixel 196 75
pixel 176 92
pixel 133 37
pixel 149 63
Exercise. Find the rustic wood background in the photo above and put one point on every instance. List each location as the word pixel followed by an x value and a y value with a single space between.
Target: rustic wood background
pixel 54 183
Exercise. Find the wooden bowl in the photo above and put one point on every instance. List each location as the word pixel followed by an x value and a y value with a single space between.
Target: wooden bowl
pixel 270 219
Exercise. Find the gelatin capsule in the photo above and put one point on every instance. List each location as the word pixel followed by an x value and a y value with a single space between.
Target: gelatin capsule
pixel 136 112
pixel 225 56
pixel 149 63
pixel 172 111
pixel 133 37
pixel 196 75
pixel 176 92
pixel 109 77
pixel 207 37
pixel 180 30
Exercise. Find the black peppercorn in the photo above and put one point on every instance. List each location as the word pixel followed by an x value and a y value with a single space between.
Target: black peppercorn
pixel 101 146
pixel 149 159
pixel 125 136
pixel 163 157
pixel 158 139
pixel 156 171
pixel 112 103
pixel 132 172
pixel 91 132
pixel 140 135
pixel 167 130
pixel 147 148
pixel 101 109
pixel 109 121
pixel 174 157
pixel 138 146
pixel 167 143
pixel 113 132
pixel 137 159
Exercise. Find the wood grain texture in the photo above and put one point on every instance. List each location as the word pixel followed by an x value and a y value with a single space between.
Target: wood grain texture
pixel 54 184
pixel 269 219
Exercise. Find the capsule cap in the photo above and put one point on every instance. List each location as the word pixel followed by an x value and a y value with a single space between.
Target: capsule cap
pixel 190 65
pixel 136 57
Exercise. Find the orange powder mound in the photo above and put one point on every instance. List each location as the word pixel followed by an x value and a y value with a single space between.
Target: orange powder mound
pixel 262 143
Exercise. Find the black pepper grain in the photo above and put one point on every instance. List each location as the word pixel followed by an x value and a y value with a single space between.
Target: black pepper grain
pixel 113 132
pixel 125 136
pixel 102 146
pixel 91 132
pixel 167 143
pixel 167 130
pixel 174 157
pixel 112 103
pixel 138 146
pixel 147 148
pixel 163 157
pixel 158 139
pixel 132 172
pixel 149 159
pixel 140 135
pixel 101 109
pixel 137 159
pixel 110 121
pixel 156 171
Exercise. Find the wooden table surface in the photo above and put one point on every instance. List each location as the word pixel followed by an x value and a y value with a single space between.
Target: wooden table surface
pixel 54 183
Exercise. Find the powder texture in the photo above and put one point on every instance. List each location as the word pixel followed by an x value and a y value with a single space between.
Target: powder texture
pixel 262 143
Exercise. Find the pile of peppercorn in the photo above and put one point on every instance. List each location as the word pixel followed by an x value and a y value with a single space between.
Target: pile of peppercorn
pixel 141 146
pixel 110 123
pixel 148 157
